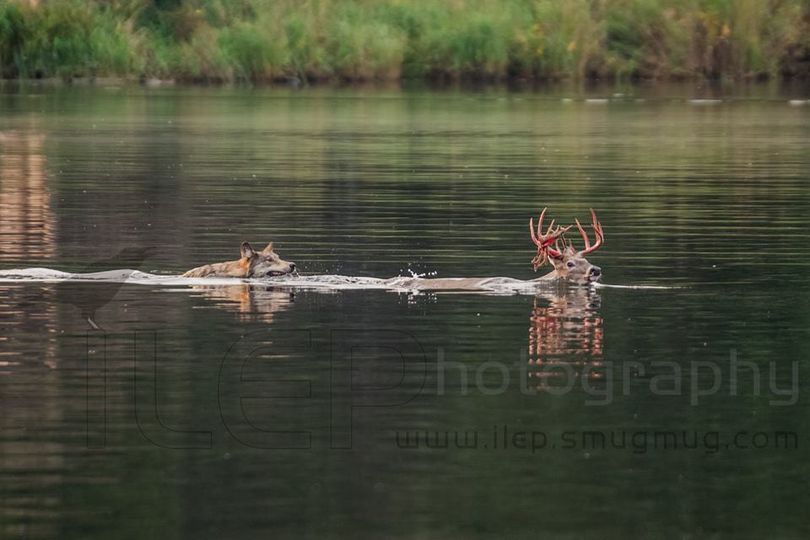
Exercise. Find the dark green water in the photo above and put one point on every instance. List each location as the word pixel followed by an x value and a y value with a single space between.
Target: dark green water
pixel 233 412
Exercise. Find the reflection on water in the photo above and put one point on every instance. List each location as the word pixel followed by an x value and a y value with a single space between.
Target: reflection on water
pixel 249 302
pixel 566 328
pixel 370 185
pixel 88 298
pixel 28 345
pixel 27 223
pixel 27 220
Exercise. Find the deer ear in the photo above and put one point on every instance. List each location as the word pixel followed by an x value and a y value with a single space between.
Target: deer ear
pixel 246 251
pixel 269 248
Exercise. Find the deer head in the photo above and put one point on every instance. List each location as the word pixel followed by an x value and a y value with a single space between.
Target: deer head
pixel 568 263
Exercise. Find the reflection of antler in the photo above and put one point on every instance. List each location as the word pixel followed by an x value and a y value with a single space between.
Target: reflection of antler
pixel 545 241
pixel 569 325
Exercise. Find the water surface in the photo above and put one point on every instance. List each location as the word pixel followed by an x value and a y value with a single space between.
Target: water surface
pixel 211 410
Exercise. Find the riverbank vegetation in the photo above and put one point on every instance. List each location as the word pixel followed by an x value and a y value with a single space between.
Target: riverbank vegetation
pixel 312 40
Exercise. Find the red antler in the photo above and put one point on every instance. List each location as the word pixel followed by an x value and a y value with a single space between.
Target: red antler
pixel 545 241
pixel 597 231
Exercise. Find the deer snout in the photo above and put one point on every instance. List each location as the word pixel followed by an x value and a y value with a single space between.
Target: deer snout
pixel 595 273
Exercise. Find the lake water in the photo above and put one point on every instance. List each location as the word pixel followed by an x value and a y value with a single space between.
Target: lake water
pixel 673 406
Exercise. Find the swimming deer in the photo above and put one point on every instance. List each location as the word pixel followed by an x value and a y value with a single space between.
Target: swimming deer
pixel 567 263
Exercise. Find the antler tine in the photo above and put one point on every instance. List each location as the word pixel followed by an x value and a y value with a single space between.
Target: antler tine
pixel 540 224
pixel 583 234
pixel 597 226
pixel 597 231
pixel 556 236
pixel 540 259
pixel 537 237
pixel 549 244
pixel 550 227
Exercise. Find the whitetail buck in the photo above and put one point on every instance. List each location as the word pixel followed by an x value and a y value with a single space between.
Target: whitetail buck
pixel 568 263
pixel 552 247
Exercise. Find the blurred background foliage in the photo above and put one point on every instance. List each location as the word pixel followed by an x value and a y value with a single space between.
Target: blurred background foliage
pixel 311 40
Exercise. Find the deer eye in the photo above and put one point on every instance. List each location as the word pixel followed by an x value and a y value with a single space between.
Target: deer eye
pixel 571 264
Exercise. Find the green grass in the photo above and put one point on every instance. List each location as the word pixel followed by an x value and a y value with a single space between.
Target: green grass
pixel 265 40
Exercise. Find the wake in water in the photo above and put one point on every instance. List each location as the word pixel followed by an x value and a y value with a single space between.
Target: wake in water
pixel 494 285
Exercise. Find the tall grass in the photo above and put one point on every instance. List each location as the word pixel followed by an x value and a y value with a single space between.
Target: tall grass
pixel 260 40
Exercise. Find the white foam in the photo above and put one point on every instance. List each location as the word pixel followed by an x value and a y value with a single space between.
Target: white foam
pixel 705 101
pixel 494 285
pixel 651 287
pixel 136 277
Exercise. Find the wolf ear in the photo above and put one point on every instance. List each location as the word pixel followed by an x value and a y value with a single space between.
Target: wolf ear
pixel 246 251
pixel 269 248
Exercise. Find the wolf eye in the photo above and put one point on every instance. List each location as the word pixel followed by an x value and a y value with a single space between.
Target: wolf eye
pixel 571 264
